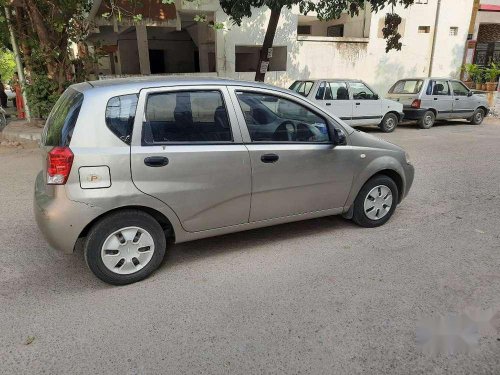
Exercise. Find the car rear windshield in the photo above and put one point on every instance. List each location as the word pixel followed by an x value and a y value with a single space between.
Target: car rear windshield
pixel 62 119
pixel 407 86
pixel 302 87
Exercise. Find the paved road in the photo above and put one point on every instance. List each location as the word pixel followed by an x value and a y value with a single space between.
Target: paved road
pixel 321 296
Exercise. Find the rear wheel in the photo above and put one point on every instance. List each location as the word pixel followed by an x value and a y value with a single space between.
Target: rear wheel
pixel 125 247
pixel 376 202
pixel 478 117
pixel 427 121
pixel 389 123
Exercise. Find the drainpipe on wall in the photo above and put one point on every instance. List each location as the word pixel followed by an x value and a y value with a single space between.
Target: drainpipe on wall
pixel 434 35
pixel 19 64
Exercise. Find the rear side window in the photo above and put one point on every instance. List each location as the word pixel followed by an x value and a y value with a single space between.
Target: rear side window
pixel 186 117
pixel 120 116
pixel 62 119
pixel 407 86
pixel 438 87
pixel 302 87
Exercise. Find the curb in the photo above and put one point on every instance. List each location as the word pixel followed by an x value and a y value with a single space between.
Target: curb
pixel 22 131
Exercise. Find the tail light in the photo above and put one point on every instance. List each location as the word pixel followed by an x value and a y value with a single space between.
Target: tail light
pixel 59 162
pixel 416 103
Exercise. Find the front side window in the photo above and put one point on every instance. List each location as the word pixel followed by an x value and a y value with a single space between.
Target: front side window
pixel 459 89
pixel 271 118
pixel 438 87
pixel 361 92
pixel 120 116
pixel 186 116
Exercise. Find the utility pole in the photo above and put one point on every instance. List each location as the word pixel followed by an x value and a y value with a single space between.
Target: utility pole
pixel 19 64
pixel 434 36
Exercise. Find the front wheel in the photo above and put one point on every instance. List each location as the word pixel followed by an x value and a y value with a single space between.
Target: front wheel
pixel 376 202
pixel 478 117
pixel 427 121
pixel 389 123
pixel 125 247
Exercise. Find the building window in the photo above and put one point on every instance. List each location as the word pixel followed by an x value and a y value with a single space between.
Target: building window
pixel 335 31
pixel 424 29
pixel 453 31
pixel 304 29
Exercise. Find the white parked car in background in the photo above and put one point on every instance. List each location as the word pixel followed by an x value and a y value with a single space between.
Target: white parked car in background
pixel 353 101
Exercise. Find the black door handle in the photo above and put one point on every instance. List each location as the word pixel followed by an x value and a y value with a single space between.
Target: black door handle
pixel 156 161
pixel 328 103
pixel 435 98
pixel 457 98
pixel 358 103
pixel 269 158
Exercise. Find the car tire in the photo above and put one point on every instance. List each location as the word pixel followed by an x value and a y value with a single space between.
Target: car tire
pixel 389 123
pixel 381 193
pixel 478 117
pixel 427 120
pixel 112 251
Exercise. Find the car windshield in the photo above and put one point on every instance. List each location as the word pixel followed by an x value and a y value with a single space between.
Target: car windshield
pixel 302 87
pixel 407 86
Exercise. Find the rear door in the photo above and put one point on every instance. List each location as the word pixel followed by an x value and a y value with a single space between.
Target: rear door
pixel 334 98
pixel 367 108
pixel 187 152
pixel 438 96
pixel 463 104
pixel 296 169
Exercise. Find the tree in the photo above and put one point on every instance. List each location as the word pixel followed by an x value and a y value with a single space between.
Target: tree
pixel 7 64
pixel 325 9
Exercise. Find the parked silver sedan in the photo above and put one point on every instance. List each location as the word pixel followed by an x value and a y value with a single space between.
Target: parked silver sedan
pixel 134 164
pixel 429 99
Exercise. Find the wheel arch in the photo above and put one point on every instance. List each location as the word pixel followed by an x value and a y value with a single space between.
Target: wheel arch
pixel 390 170
pixel 157 215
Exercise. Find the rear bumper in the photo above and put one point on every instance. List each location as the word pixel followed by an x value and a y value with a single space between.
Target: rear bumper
pixel 414 113
pixel 60 220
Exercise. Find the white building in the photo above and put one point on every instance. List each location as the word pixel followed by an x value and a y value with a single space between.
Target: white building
pixel 169 41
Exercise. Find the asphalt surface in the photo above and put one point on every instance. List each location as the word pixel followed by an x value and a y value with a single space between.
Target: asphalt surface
pixel 317 297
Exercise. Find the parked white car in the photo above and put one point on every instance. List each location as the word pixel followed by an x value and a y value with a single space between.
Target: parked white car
pixel 353 101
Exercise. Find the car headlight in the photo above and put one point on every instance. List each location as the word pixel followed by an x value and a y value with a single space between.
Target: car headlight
pixel 407 157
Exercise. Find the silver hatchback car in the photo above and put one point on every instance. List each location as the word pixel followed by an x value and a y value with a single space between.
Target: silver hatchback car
pixel 133 164
pixel 429 99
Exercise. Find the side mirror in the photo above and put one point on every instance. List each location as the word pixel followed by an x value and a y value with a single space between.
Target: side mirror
pixel 339 137
pixel 470 93
pixel 375 97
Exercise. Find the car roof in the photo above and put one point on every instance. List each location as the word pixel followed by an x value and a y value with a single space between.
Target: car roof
pixel 328 79
pixel 424 78
pixel 135 84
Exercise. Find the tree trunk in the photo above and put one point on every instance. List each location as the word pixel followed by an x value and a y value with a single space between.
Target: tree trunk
pixel 268 43
pixel 44 36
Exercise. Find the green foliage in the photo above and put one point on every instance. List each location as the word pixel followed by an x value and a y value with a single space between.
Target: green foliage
pixel 7 64
pixel 42 95
pixel 492 72
pixel 472 70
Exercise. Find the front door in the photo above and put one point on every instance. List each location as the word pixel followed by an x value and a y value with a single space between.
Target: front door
pixel 295 167
pixel 367 108
pixel 187 152
pixel 463 104
pixel 334 98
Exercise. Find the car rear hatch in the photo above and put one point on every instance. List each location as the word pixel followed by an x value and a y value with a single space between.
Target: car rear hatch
pixel 405 91
pixel 57 156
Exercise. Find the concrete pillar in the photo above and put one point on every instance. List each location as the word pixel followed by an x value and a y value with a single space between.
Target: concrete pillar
pixel 143 48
